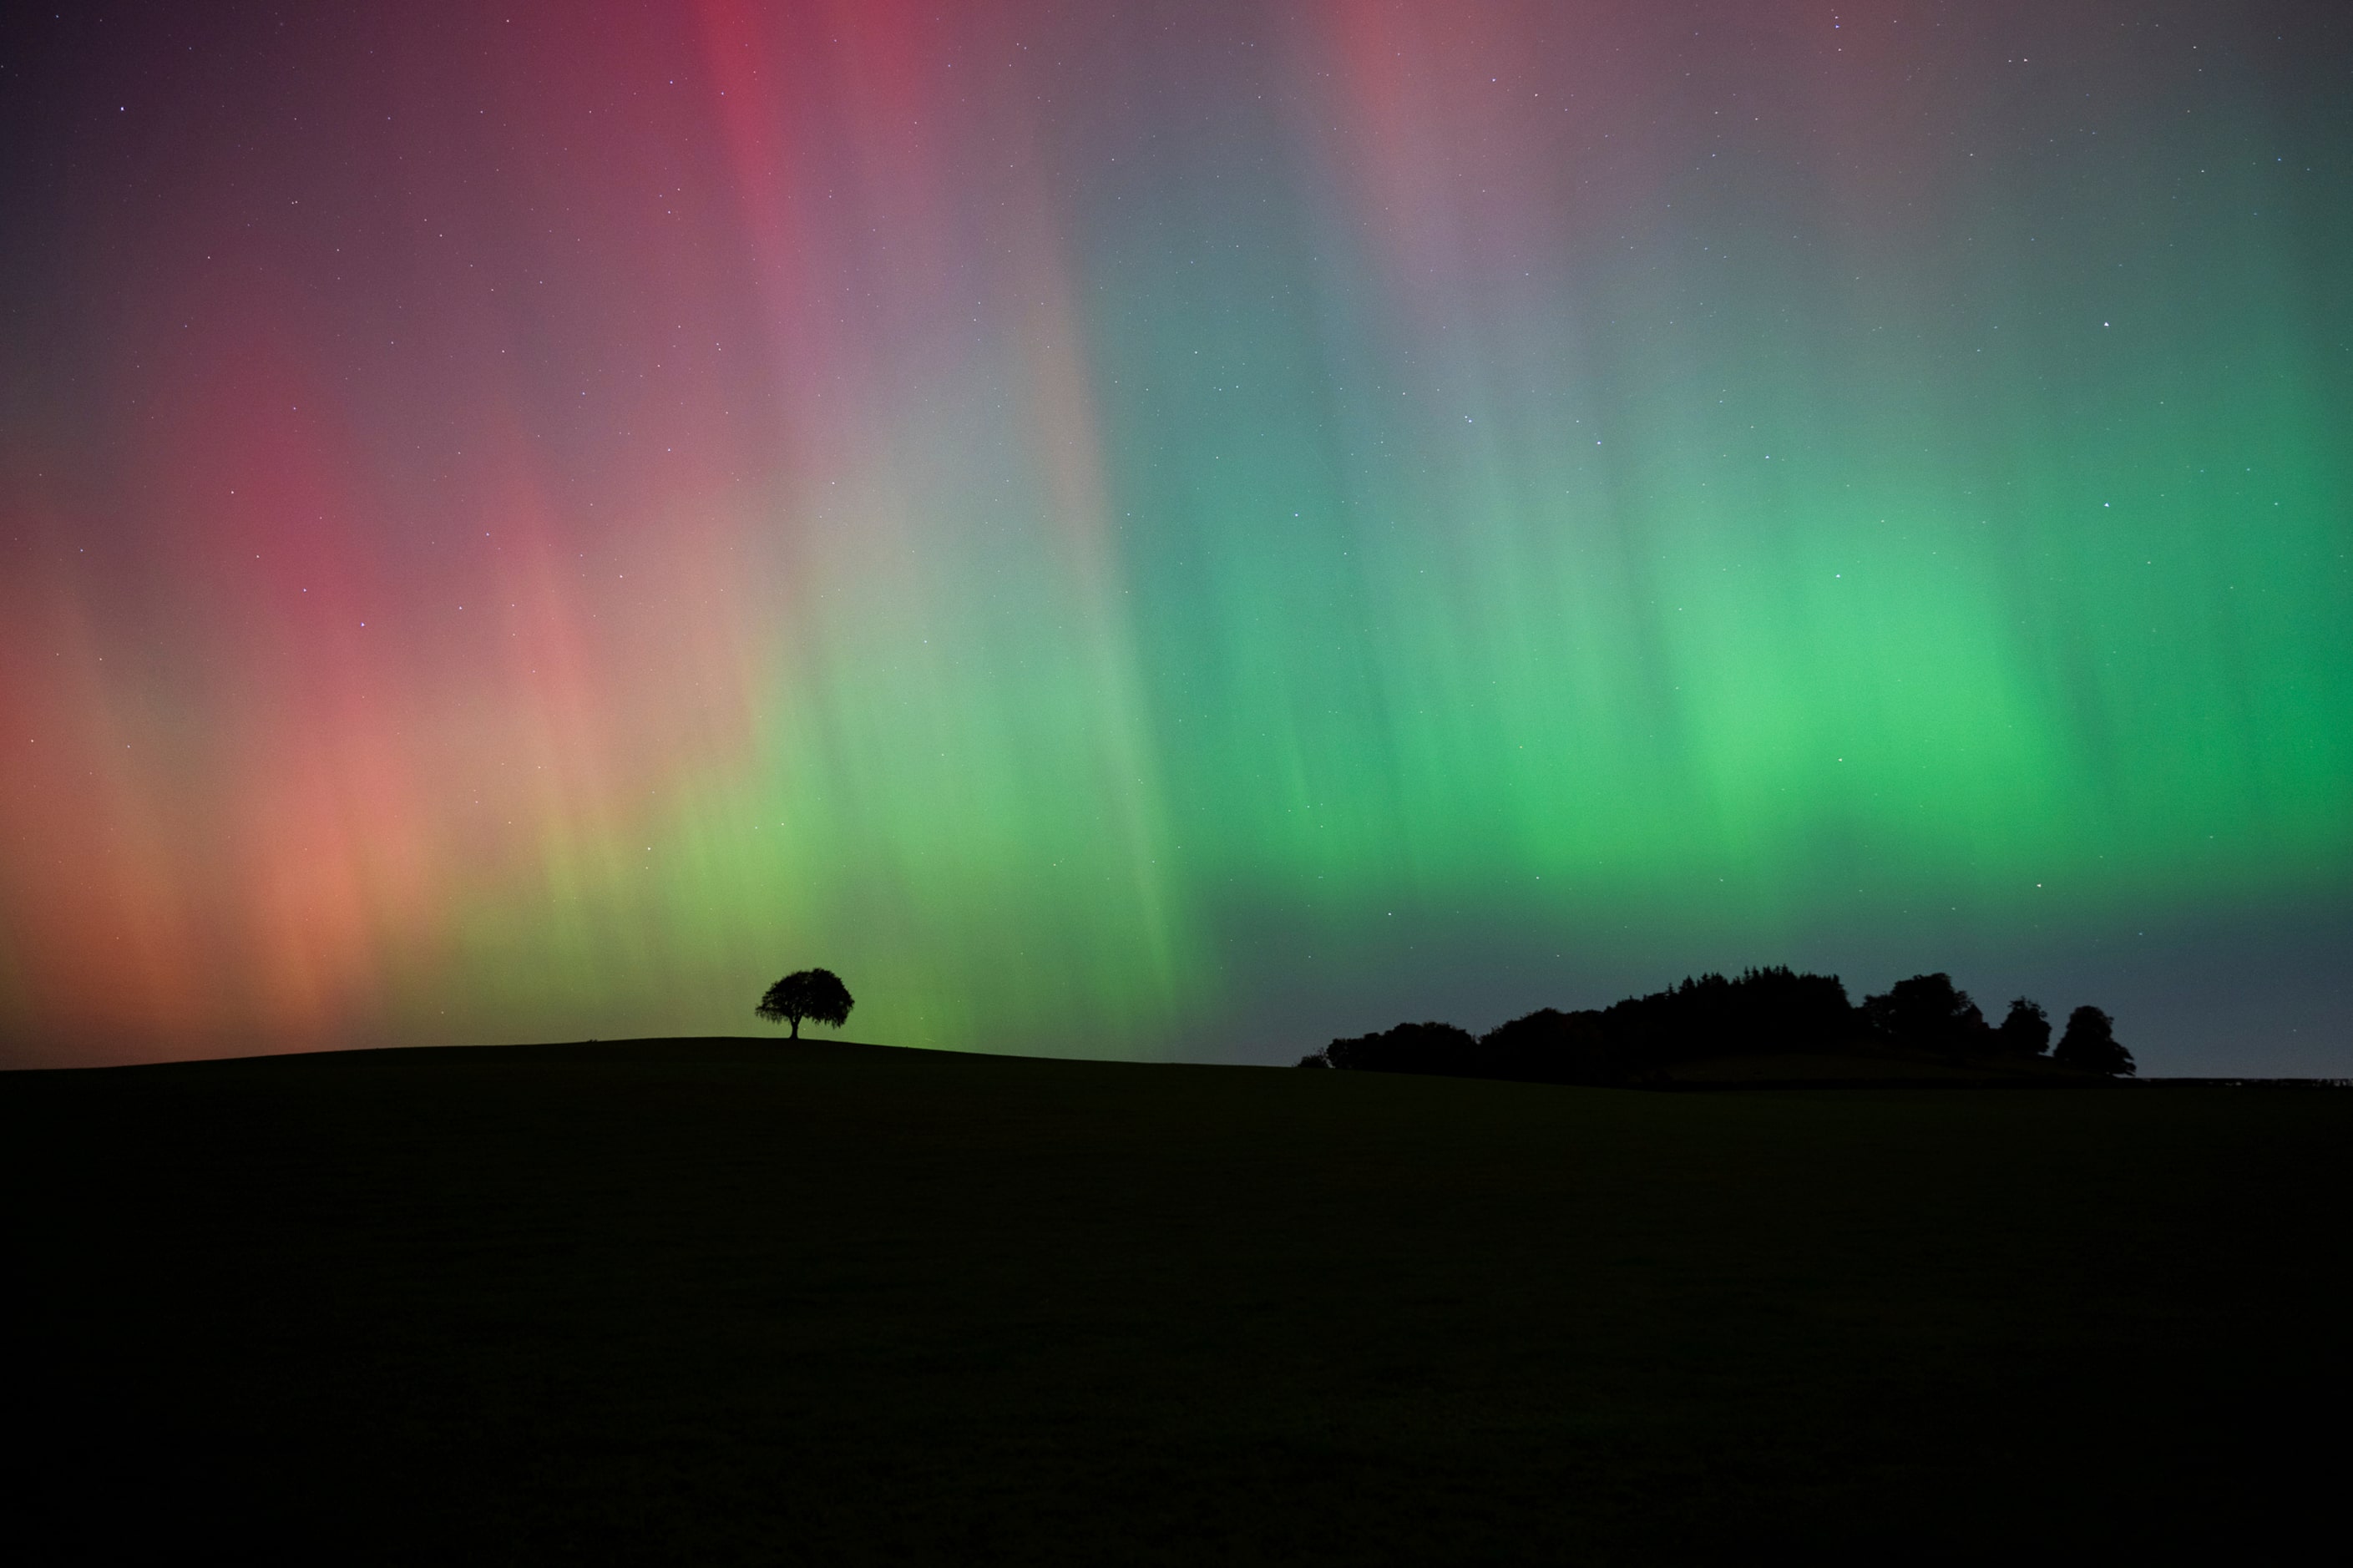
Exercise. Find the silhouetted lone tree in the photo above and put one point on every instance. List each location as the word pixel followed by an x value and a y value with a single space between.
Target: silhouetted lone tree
pixel 2026 1032
pixel 817 994
pixel 2090 1042
pixel 1929 1012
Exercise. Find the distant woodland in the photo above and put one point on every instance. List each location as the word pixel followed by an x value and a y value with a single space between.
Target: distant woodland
pixel 1761 1013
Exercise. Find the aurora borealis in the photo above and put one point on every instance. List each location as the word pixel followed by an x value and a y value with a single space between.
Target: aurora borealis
pixel 1177 530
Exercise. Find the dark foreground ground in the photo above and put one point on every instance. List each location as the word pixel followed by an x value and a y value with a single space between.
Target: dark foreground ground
pixel 716 1302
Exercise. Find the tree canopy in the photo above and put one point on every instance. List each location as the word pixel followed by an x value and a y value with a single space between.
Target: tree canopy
pixel 1760 1012
pixel 2026 1031
pixel 817 994
pixel 2091 1044
pixel 1930 1012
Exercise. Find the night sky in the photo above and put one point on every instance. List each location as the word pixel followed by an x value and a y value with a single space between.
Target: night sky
pixel 1170 530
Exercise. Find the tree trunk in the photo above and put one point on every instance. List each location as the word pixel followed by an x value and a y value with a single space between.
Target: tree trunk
pixel 797 1028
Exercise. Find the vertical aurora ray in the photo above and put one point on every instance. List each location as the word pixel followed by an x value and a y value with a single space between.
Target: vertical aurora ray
pixel 1137 529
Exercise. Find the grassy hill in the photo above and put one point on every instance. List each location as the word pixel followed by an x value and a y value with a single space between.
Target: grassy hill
pixel 720 1300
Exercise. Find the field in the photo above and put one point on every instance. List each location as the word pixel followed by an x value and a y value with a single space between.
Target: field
pixel 722 1300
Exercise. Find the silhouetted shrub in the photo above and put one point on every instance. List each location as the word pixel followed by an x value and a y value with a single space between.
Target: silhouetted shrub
pixel 1409 1047
pixel 1314 1060
pixel 1930 1012
pixel 2025 1031
pixel 2090 1043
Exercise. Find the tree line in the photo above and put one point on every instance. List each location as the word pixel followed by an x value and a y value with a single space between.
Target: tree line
pixel 1760 1012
